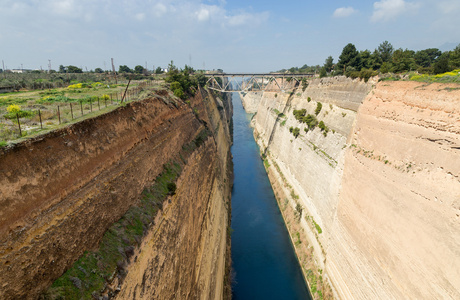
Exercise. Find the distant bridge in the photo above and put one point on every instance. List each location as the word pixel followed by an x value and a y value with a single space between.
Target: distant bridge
pixel 245 82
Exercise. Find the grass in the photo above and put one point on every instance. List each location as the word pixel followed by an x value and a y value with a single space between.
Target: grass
pixel 266 163
pixel 88 100
pixel 297 241
pixel 294 196
pixel 313 281
pixel 448 77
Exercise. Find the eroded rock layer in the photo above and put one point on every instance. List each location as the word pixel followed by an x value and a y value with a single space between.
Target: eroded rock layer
pixel 376 192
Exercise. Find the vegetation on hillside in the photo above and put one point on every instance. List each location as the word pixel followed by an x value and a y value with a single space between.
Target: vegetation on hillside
pixel 184 82
pixel 385 58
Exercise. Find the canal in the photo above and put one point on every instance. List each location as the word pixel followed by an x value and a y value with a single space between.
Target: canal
pixel 264 262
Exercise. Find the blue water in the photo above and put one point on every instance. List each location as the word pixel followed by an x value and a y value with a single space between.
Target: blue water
pixel 264 262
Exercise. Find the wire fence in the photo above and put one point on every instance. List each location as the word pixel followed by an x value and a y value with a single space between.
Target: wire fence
pixel 10 82
pixel 27 122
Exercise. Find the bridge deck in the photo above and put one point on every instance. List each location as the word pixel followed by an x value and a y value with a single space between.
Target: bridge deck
pixel 227 82
pixel 260 75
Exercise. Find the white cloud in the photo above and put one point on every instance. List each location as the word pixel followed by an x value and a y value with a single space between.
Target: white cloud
pixel 159 10
pixel 386 10
pixel 140 16
pixel 343 12
pixel 207 12
pixel 63 7
pixel 449 6
pixel 222 17
pixel 247 18
pixel 202 14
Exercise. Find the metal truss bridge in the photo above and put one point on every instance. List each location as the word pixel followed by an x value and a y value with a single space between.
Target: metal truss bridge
pixel 267 82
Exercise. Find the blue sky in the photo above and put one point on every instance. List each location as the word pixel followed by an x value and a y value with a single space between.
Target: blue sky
pixel 237 36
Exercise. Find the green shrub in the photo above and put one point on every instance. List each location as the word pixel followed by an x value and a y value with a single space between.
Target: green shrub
pixel 171 188
pixel 311 121
pixel 299 209
pixel 318 108
pixel 15 111
pixel 175 85
pixel 295 131
pixel 304 85
pixel 299 114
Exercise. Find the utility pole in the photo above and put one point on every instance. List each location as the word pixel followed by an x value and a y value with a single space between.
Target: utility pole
pixel 4 71
pixel 114 73
pixel 49 65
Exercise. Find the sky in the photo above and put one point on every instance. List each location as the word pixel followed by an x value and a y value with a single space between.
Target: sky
pixel 233 35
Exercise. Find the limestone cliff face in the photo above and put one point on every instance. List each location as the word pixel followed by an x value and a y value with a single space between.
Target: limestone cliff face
pixel 378 195
pixel 61 192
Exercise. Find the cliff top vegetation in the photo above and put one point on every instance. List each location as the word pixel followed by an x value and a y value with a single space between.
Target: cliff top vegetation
pixel 423 65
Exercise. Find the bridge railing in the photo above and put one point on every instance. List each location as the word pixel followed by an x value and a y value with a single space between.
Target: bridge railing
pixel 244 82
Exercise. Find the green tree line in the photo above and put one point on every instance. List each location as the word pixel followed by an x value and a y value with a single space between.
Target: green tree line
pixel 385 59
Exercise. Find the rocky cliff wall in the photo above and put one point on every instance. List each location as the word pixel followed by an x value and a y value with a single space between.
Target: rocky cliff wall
pixel 376 196
pixel 61 192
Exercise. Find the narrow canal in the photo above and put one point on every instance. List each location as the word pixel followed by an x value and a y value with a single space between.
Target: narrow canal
pixel 264 262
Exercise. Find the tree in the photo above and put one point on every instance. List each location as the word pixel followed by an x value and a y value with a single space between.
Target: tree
pixel 139 69
pixel 442 64
pixel 425 58
pixel 365 58
pixel 385 51
pixel 454 58
pixel 375 61
pixel 62 69
pixel 158 70
pixel 329 64
pixel 200 79
pixel 322 72
pixel 349 58
pixel 73 69
pixel 188 69
pixel 98 70
pixel 403 60
pixel 124 69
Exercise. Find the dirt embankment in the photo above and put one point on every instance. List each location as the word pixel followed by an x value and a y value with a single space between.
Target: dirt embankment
pixel 186 254
pixel 60 192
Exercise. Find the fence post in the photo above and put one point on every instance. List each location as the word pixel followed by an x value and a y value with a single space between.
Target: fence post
pixel 40 116
pixel 105 101
pixel 19 125
pixel 81 106
pixel 91 105
pixel 71 110
pixel 111 100
pixel 59 115
pixel 98 104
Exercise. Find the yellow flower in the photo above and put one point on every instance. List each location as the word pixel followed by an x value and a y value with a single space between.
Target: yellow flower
pixel 13 108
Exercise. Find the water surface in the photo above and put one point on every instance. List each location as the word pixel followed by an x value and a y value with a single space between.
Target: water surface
pixel 264 261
